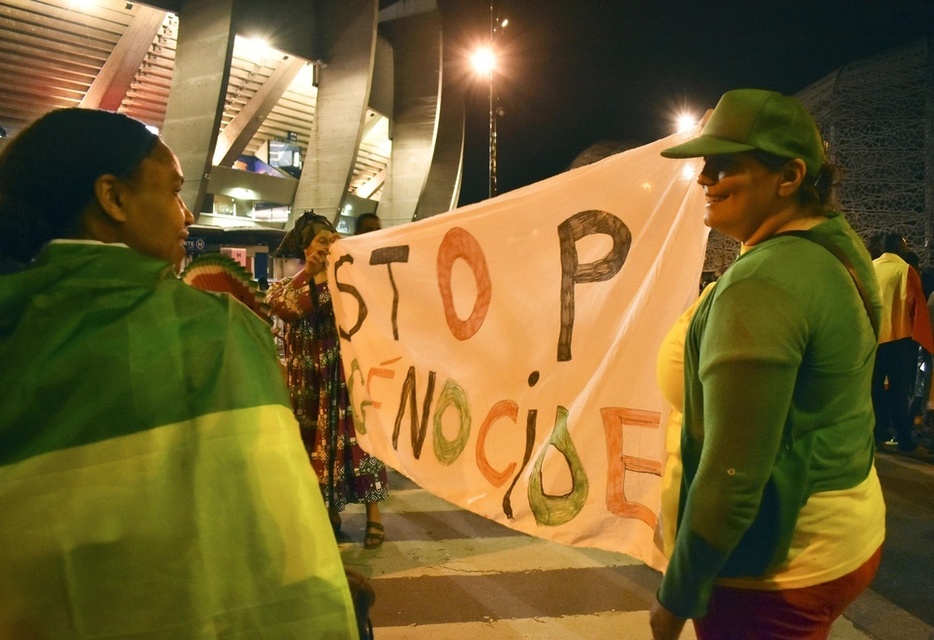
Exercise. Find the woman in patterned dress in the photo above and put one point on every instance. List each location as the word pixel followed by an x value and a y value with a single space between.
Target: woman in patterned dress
pixel 346 473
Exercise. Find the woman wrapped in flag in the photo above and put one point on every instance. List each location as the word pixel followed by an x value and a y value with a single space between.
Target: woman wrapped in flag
pixel 152 479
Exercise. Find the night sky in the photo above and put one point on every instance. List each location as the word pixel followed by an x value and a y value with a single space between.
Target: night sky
pixel 577 72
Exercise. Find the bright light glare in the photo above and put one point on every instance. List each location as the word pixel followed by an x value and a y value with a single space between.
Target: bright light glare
pixel 686 122
pixel 483 61
pixel 306 76
pixel 255 47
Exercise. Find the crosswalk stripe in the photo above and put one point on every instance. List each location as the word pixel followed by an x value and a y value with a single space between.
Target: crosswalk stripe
pixel 628 625
pixel 476 556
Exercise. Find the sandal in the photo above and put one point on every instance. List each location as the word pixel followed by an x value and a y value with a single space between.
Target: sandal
pixel 335 519
pixel 374 536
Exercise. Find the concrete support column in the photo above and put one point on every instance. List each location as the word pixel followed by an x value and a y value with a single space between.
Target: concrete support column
pixel 442 191
pixel 343 94
pixel 417 53
pixel 199 86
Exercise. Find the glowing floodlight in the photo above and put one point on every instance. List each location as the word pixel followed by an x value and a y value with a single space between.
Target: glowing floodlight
pixel 686 122
pixel 483 61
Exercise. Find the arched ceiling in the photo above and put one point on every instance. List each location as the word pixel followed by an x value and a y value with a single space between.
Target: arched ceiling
pixel 119 55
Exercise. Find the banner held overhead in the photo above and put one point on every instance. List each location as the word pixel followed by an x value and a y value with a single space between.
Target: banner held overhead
pixel 503 355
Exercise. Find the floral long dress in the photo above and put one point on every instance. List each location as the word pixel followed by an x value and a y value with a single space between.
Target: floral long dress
pixel 319 395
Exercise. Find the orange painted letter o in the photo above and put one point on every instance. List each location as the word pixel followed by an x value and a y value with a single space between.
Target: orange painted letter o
pixel 457 243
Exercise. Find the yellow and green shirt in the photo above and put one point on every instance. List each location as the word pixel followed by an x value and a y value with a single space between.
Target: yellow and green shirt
pixel 777 443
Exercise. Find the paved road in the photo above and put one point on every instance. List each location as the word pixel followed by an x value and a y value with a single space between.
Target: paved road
pixel 906 575
pixel 446 574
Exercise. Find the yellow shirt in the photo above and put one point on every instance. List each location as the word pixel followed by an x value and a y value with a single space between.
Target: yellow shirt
pixel 892 275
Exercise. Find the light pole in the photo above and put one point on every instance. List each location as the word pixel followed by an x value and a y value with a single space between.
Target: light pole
pixel 492 138
pixel 484 63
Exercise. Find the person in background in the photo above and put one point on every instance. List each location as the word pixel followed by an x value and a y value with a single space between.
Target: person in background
pixel 905 325
pixel 367 222
pixel 781 516
pixel 924 336
pixel 318 387
pixel 152 479
pixel 927 403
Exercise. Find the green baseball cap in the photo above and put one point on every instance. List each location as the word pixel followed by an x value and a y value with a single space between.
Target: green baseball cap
pixel 747 119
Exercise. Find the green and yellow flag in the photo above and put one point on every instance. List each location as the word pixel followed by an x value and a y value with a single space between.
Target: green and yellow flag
pixel 152 479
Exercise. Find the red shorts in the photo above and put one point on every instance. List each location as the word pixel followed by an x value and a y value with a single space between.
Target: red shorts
pixel 788 614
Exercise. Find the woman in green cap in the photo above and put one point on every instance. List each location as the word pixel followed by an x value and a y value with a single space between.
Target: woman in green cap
pixel 781 516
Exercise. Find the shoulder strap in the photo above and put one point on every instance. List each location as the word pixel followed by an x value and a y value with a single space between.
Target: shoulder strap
pixel 842 257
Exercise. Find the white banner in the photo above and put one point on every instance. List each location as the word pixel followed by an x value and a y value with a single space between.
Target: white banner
pixel 502 355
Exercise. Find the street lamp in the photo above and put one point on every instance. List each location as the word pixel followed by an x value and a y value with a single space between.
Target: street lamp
pixel 685 122
pixel 484 63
